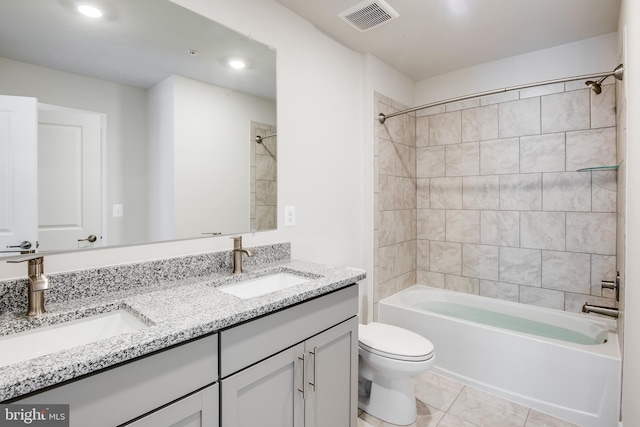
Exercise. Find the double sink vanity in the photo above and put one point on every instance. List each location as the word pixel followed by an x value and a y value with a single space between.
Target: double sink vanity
pixel 185 342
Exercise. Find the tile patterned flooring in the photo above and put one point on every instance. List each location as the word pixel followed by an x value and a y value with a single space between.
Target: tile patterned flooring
pixel 443 402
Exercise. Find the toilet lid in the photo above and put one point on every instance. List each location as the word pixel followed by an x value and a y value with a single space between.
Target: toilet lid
pixel 394 342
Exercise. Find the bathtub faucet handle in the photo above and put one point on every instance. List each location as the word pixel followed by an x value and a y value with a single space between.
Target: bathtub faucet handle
pixel 611 284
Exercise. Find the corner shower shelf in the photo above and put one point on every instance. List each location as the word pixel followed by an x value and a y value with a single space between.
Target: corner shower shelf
pixel 598 168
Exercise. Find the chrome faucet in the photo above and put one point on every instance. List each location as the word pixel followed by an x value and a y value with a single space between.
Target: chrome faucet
pixel 599 309
pixel 38 283
pixel 238 250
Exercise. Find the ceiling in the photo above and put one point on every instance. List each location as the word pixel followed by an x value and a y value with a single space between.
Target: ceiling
pixel 432 37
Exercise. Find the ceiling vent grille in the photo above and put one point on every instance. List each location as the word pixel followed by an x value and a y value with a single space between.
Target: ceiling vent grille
pixel 368 15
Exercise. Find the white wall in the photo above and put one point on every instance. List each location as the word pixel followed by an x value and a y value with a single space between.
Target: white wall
pixel 630 31
pixel 199 167
pixel 320 134
pixel 594 55
pixel 126 111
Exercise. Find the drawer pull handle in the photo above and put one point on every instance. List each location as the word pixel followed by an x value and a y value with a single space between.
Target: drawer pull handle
pixel 315 368
pixel 303 377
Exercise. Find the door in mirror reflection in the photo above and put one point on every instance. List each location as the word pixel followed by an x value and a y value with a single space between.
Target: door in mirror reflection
pixel 18 173
pixel 69 178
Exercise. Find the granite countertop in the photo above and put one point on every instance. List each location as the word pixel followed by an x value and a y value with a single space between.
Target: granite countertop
pixel 175 312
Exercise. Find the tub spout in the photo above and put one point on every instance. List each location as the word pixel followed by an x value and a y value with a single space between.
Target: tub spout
pixel 599 309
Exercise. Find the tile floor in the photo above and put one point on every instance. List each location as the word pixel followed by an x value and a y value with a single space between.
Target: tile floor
pixel 443 402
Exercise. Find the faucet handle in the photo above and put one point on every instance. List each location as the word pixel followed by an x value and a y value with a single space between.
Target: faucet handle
pixel 39 259
pixel 237 242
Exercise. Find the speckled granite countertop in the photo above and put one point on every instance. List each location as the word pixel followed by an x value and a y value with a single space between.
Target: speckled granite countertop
pixel 175 311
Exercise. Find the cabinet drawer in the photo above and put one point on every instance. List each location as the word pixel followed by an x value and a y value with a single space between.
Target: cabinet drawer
pixel 246 344
pixel 117 395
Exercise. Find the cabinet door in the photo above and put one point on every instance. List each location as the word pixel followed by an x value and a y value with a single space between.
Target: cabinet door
pixel 266 394
pixel 332 377
pixel 197 410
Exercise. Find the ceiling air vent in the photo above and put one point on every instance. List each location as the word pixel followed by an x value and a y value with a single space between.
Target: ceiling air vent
pixel 368 14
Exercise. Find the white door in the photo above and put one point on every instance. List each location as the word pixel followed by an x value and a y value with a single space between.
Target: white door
pixel 69 173
pixel 18 172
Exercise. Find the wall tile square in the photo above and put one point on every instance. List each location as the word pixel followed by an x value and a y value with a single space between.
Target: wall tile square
pixel 467 285
pixel 499 290
pixel 542 153
pixel 566 271
pixel 500 97
pixel 409 193
pixel 422 261
pixel 445 128
pixel 463 226
pixel 603 107
pixel 405 230
pixel 566 191
pixel 521 192
pixel 604 191
pixel 422 196
pixel 501 228
pixel 405 161
pixel 593 232
pixel 542 297
pixel 590 148
pixel 541 90
pixel 480 124
pixel 543 230
pixel 445 193
pixel 462 159
pixel 518 118
pixel 603 267
pixel 422 131
pixel 481 192
pixel 431 224
pixel 565 111
pixel 445 257
pixel 480 261
pixel 387 155
pixel 462 105
pixel 430 278
pixel 521 266
pixel 430 162
pixel 500 156
pixel 430 111
pixel 387 228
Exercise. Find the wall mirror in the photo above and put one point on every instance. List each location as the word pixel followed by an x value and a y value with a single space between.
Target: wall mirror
pixel 143 131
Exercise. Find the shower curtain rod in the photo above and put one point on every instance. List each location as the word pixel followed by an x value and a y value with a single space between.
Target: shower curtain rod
pixel 617 73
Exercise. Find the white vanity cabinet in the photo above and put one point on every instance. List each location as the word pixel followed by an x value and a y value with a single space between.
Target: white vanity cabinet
pixel 297 367
pixel 174 387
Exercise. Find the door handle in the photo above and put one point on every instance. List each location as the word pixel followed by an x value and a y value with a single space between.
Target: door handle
pixel 91 238
pixel 23 245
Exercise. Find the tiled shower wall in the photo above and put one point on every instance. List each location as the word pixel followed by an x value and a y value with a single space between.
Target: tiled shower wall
pixel 500 209
pixel 264 185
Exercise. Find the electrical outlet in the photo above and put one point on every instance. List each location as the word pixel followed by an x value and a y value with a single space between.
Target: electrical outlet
pixel 289 216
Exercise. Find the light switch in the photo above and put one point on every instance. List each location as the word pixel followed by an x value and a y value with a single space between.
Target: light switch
pixel 118 211
pixel 289 216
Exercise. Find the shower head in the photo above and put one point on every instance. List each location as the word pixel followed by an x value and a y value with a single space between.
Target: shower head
pixel 594 86
pixel 597 85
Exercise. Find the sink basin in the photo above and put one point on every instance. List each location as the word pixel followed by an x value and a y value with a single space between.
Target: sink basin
pixel 263 285
pixel 29 344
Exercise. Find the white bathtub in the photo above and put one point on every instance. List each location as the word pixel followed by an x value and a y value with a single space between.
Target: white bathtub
pixel 576 382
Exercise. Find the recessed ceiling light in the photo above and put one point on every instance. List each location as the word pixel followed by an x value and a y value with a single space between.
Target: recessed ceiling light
pixel 237 64
pixel 90 11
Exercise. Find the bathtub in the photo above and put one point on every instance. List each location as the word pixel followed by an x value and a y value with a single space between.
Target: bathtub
pixel 574 375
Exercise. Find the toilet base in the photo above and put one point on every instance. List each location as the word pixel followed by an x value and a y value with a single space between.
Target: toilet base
pixel 391 398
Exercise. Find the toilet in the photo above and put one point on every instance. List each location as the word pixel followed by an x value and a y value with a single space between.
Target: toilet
pixel 389 358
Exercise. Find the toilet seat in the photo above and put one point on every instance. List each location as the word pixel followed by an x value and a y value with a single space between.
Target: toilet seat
pixel 394 343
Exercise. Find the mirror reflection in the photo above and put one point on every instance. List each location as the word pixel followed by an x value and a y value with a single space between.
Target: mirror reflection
pixel 142 132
